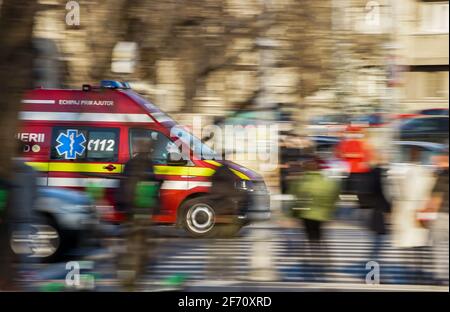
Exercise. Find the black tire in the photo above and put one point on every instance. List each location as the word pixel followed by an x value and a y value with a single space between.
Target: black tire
pixel 199 217
pixel 214 230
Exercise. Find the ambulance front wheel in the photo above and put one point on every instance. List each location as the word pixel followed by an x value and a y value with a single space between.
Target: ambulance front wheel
pixel 199 217
pixel 199 220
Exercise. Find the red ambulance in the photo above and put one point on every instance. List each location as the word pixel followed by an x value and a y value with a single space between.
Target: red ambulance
pixel 83 138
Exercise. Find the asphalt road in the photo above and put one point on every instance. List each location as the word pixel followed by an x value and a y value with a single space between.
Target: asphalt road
pixel 261 258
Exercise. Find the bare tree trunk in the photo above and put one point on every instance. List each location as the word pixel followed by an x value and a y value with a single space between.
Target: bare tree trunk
pixel 16 26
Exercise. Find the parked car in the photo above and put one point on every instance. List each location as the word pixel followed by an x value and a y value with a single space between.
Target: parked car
pixel 370 120
pixel 63 219
pixel 434 112
pixel 427 151
pixel 401 160
pixel 325 145
pixel 404 116
pixel 427 129
pixel 327 125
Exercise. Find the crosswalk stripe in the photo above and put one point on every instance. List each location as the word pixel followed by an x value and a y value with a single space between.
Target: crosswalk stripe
pixel 342 262
pixel 347 252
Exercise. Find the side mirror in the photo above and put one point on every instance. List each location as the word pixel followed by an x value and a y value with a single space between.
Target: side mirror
pixel 176 159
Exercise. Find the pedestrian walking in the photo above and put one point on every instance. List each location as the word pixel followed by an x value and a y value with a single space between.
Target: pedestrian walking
pixel 19 195
pixel 316 196
pixel 439 227
pixel 411 187
pixel 355 150
pixel 378 204
pixel 138 200
pixel 290 153
pixel 224 194
pixel 5 250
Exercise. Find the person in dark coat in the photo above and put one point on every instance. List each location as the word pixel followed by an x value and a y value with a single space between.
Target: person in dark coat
pixel 19 196
pixel 228 200
pixel 139 201
pixel 290 153
pixel 378 205
pixel 5 251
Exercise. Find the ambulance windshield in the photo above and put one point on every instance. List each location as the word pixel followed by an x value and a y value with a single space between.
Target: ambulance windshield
pixel 200 149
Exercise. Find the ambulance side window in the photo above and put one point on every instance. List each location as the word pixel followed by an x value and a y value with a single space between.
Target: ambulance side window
pixel 85 144
pixel 162 145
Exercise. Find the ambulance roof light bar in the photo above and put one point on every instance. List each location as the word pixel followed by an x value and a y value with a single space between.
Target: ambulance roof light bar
pixel 126 85
pixel 107 84
pixel 113 84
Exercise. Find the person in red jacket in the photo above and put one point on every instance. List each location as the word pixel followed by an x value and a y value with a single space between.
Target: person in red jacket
pixel 356 152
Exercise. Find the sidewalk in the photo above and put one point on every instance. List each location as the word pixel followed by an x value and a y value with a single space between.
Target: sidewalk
pixel 299 287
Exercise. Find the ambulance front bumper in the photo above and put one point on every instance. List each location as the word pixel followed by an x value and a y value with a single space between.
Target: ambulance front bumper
pixel 252 207
pixel 258 207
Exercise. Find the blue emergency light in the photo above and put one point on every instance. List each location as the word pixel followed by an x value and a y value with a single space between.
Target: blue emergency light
pixel 126 85
pixel 113 84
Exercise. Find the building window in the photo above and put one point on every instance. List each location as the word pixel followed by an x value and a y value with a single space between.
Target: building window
pixel 427 81
pixel 434 17
pixel 435 85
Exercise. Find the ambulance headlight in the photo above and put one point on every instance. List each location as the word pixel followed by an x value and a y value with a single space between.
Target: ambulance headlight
pixel 245 185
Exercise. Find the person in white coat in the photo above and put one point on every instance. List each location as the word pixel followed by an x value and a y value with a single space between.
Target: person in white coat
pixel 412 184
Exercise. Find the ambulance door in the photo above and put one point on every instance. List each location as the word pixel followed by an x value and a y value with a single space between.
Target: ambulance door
pixel 175 178
pixel 84 156
pixel 199 175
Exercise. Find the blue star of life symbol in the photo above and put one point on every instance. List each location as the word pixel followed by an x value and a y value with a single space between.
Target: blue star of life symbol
pixel 71 144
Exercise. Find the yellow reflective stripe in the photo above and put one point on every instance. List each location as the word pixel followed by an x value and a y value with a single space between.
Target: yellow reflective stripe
pixel 169 170
pixel 214 163
pixel 187 171
pixel 75 167
pixel 240 174
pixel 99 168
pixel 80 167
pixel 236 172
pixel 201 172
pixel 39 166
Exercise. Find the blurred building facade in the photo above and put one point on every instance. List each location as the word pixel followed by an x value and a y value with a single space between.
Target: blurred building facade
pixel 211 57
pixel 423 44
pixel 205 57
pixel 395 57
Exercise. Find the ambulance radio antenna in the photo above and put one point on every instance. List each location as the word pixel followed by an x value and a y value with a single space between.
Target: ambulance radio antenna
pixel 86 87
